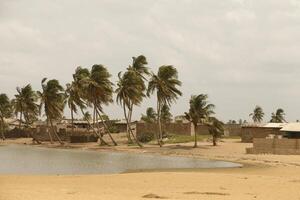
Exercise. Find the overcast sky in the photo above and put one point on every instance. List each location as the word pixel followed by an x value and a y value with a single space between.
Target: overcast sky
pixel 241 53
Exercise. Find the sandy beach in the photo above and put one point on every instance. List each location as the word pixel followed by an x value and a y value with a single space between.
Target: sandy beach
pixel 262 177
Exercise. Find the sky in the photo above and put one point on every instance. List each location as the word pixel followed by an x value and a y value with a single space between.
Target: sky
pixel 241 53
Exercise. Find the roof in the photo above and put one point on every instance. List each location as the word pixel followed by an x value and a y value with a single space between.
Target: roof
pixel 250 125
pixel 291 127
pixel 275 125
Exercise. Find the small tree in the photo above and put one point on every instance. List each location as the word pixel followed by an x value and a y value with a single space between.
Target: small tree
pixel 200 110
pixel 150 116
pixel 5 112
pixel 216 129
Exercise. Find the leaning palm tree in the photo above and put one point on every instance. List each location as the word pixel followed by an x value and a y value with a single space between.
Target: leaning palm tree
pixel 278 116
pixel 165 84
pixel 52 99
pixel 199 112
pixel 131 89
pixel 81 80
pixel 25 103
pixel 99 92
pixel 5 112
pixel 257 114
pixel 215 128
pixel 129 92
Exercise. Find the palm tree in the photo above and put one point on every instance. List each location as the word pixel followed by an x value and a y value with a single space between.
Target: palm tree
pixel 199 112
pixel 81 80
pixel 17 104
pixel 131 89
pixel 215 128
pixel 150 116
pixel 52 99
pixel 278 117
pixel 129 93
pixel 5 112
pixel 99 92
pixel 165 84
pixel 73 100
pixel 25 103
pixel 257 114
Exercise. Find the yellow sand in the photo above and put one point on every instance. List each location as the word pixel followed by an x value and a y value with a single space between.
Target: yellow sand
pixel 267 177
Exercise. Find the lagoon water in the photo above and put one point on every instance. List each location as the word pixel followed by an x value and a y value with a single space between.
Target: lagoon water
pixel 19 159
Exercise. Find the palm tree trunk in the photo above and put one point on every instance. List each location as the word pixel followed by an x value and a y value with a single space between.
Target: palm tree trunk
pixel 129 127
pixel 49 133
pixel 129 119
pixel 105 126
pixel 55 133
pixel 72 118
pixel 95 132
pixel 30 131
pixel 2 129
pixel 20 122
pixel 214 140
pixel 195 128
pixel 159 137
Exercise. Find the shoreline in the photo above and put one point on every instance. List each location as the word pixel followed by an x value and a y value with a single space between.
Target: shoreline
pixel 262 177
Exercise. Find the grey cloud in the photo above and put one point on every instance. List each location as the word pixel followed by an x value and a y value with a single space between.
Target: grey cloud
pixel 240 52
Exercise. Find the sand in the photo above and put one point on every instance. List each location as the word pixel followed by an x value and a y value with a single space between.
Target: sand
pixel 263 177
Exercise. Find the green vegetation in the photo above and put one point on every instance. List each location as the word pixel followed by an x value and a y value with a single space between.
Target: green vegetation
pixel 278 116
pixel 257 114
pixel 174 138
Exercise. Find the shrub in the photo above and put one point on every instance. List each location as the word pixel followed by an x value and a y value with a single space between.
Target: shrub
pixel 145 137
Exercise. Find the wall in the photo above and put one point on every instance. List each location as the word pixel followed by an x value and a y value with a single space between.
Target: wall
pixel 174 128
pixel 65 134
pixel 248 133
pixel 275 146
pixel 229 130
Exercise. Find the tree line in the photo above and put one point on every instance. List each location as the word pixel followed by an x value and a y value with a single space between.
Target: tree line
pixel 93 89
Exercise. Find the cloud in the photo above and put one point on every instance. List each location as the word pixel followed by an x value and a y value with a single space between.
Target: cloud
pixel 240 52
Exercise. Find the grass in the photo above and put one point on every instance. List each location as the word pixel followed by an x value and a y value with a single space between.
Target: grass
pixel 173 138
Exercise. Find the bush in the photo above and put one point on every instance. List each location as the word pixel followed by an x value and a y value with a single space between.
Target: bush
pixel 145 137
pixel 114 129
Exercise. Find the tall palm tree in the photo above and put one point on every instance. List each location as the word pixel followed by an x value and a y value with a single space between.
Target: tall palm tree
pixel 17 104
pixel 81 80
pixel 199 111
pixel 129 92
pixel 73 100
pixel 165 84
pixel 131 89
pixel 25 103
pixel 52 99
pixel 150 116
pixel 278 116
pixel 257 114
pixel 215 128
pixel 99 92
pixel 5 112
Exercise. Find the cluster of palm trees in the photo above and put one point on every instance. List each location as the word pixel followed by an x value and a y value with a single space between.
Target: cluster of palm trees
pixel 93 89
pixel 258 115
